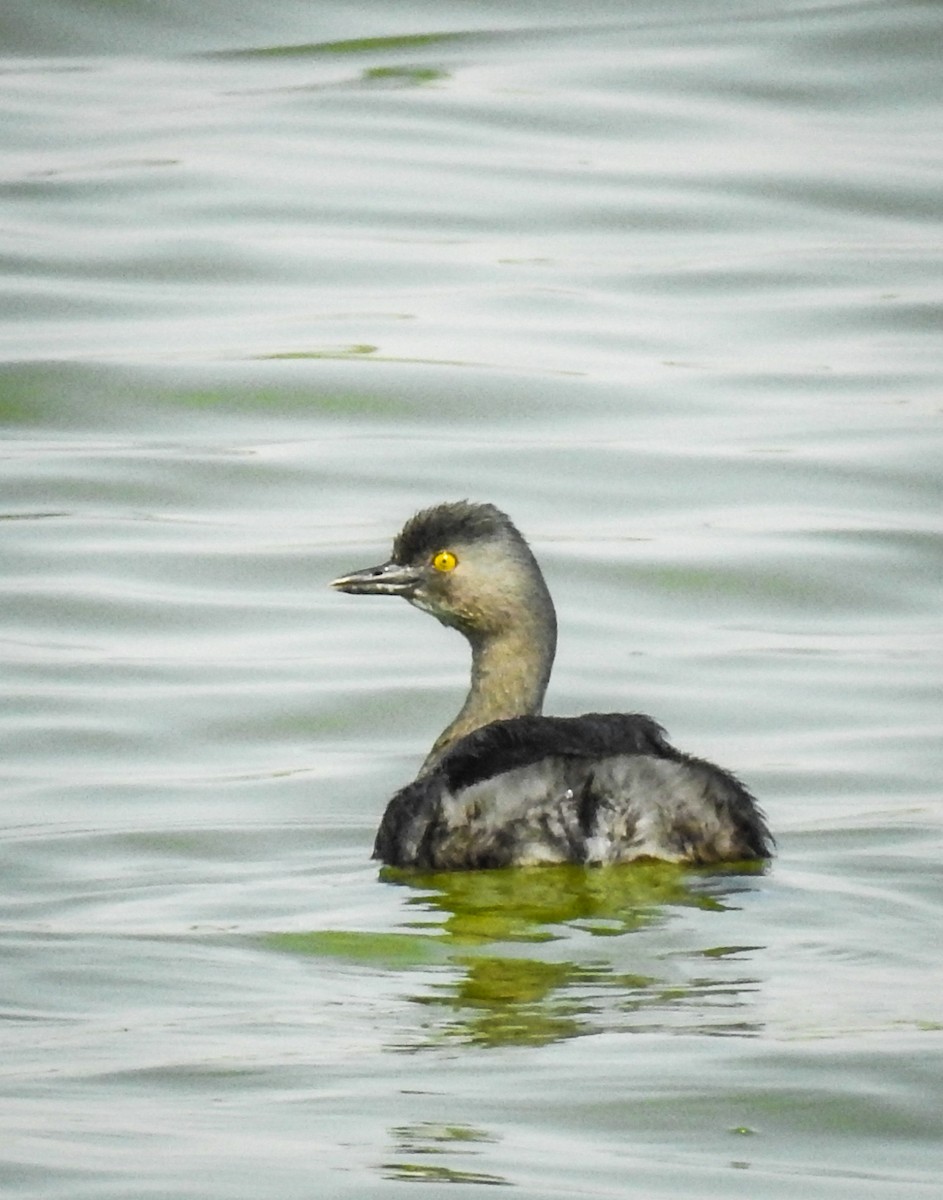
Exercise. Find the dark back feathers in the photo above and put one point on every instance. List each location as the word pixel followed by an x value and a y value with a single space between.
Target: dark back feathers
pixel 519 741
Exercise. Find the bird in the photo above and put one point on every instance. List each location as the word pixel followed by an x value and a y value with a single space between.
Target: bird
pixel 504 785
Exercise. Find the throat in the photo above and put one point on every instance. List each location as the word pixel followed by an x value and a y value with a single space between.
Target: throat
pixel 508 679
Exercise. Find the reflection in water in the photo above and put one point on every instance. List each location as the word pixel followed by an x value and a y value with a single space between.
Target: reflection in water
pixel 539 904
pixel 427 1139
pixel 521 999
pixel 517 1001
pixel 539 955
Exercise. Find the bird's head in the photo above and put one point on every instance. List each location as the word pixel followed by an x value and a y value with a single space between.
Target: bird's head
pixel 464 563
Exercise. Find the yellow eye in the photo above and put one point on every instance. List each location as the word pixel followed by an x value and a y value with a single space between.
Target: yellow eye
pixel 445 560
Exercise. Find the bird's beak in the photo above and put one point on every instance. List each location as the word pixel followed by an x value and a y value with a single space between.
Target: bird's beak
pixel 390 579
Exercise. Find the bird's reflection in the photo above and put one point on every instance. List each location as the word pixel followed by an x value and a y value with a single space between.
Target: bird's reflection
pixel 526 967
pixel 540 904
pixel 427 1152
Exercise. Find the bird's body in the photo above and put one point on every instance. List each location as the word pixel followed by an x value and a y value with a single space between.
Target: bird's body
pixel 505 786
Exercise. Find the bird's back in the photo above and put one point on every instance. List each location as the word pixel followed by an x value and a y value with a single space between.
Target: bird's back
pixel 601 788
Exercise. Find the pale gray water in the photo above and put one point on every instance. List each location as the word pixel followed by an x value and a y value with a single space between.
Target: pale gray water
pixel 664 283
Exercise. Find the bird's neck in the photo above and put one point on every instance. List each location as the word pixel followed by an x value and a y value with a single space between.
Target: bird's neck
pixel 509 677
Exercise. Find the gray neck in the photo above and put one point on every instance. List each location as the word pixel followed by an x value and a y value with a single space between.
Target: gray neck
pixel 509 677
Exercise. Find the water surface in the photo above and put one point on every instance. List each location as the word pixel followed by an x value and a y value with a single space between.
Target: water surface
pixel 664 284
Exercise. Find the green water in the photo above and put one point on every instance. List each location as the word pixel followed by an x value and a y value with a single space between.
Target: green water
pixel 662 282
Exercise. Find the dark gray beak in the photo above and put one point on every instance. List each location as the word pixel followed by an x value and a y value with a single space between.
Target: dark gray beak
pixel 390 579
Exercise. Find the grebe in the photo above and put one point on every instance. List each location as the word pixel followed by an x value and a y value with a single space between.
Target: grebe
pixel 505 786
